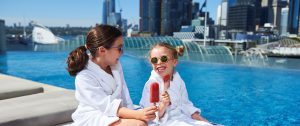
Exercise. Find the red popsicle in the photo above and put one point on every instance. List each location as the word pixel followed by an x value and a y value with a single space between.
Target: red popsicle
pixel 154 92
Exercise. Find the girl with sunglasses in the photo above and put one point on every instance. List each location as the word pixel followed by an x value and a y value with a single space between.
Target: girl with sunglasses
pixel 175 108
pixel 100 86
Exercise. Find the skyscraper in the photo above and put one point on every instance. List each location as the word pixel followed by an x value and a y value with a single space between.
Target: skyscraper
pixel 108 7
pixel 174 14
pixel 218 18
pixel 284 21
pixel 163 17
pixel 241 15
pixel 221 22
pixel 264 15
pixel 271 12
pixel 110 16
pixel 294 13
pixel 222 13
pixel 144 15
pixel 274 11
pixel 150 16
pixel 195 10
pixel 277 5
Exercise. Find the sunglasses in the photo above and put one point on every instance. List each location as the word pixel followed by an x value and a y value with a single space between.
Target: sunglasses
pixel 154 60
pixel 120 49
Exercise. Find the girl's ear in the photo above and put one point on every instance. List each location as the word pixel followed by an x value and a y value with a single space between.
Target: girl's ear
pixel 175 62
pixel 101 50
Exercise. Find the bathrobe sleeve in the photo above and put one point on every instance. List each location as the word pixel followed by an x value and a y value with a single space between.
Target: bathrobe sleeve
pixel 187 105
pixel 145 100
pixel 96 107
pixel 127 102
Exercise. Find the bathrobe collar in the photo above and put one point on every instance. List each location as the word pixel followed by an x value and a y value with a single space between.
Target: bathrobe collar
pixel 114 82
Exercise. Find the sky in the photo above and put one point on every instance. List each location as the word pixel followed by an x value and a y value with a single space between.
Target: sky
pixel 82 13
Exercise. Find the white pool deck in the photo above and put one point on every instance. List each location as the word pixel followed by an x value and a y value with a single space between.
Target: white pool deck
pixel 28 103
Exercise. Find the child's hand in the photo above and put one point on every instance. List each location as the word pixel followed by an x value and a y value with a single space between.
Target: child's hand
pixel 196 116
pixel 165 102
pixel 148 113
pixel 166 99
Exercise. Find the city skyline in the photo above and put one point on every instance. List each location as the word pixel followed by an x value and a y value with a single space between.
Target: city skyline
pixel 63 12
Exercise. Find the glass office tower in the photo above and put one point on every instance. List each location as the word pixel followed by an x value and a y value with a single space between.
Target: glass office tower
pixel 293 21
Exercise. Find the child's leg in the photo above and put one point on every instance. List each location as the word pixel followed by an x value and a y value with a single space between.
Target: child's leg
pixel 129 122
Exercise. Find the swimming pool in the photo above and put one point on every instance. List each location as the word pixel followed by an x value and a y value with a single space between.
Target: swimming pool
pixel 227 94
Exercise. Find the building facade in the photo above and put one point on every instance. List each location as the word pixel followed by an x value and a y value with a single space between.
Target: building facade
pixel 284 21
pixel 163 17
pixel 241 18
pixel 109 15
pixel 293 18
pixel 222 13
pixel 108 8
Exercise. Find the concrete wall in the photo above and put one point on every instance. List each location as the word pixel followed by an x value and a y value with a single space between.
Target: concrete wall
pixel 2 37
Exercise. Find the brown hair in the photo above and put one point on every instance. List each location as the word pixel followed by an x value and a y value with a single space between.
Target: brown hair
pixel 100 35
pixel 175 52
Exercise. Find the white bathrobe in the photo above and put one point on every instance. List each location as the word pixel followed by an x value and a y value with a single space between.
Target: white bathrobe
pixel 181 108
pixel 100 95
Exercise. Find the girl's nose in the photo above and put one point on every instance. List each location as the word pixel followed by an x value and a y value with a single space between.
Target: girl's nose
pixel 159 61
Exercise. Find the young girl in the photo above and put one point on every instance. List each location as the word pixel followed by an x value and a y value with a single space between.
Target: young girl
pixel 100 86
pixel 175 109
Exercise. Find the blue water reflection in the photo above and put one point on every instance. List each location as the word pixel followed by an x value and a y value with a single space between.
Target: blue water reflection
pixel 228 94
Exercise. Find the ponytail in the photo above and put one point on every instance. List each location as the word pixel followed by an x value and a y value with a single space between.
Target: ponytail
pixel 77 60
pixel 180 50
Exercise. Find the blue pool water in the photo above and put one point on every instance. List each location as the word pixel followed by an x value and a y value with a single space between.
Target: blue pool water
pixel 226 94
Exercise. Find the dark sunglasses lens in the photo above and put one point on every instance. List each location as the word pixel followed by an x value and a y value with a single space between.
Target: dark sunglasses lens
pixel 164 59
pixel 154 60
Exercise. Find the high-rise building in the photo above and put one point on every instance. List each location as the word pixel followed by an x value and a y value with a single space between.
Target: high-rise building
pixel 221 21
pixel 293 19
pixel 222 13
pixel 163 17
pixel 277 5
pixel 124 25
pixel 174 14
pixel 275 12
pixel 258 13
pixel 108 7
pixel 195 10
pixel 218 18
pixel 240 2
pixel 114 19
pixel 264 15
pixel 271 12
pixel 284 21
pixel 150 16
pixel 241 15
pixel 110 16
pixel 144 15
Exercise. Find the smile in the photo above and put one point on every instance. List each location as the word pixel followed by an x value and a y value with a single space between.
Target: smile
pixel 161 68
